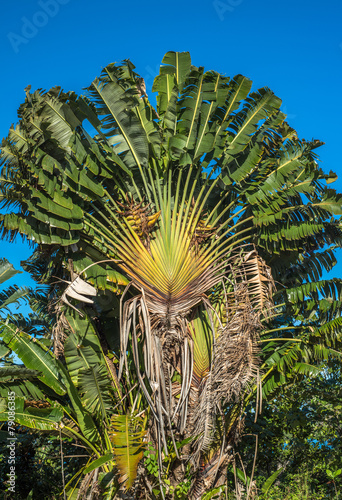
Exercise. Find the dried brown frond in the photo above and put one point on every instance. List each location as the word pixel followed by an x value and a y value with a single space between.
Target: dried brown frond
pixel 58 332
pixel 234 366
pixel 203 419
pixel 89 487
pixel 236 348
pixel 250 270
pixel 141 87
pixel 212 472
pixel 235 362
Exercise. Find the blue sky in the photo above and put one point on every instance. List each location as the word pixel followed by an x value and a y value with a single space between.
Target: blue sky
pixel 295 48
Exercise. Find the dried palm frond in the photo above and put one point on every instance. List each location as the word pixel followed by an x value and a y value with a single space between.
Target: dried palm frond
pixel 207 473
pixel 234 351
pixel 89 487
pixel 141 87
pixel 58 331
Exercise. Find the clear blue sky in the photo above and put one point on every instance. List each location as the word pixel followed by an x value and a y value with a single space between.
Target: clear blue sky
pixel 293 47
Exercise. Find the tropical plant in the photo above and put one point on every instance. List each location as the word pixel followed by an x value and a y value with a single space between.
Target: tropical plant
pixel 13 295
pixel 211 220
pixel 75 399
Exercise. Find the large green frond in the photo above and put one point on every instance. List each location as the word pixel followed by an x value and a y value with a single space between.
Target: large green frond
pixel 34 355
pixel 128 438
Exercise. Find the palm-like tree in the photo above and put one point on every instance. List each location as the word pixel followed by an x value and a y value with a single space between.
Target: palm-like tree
pixel 210 219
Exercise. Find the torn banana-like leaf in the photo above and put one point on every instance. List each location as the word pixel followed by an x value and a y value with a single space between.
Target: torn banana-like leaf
pixel 74 295
pixel 82 287
pixel 79 289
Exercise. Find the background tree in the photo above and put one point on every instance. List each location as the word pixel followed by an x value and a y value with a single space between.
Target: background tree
pixel 299 437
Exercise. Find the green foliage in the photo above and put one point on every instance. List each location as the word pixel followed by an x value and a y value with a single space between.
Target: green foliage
pixel 127 435
pixel 137 203
pixel 38 464
pixel 299 430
